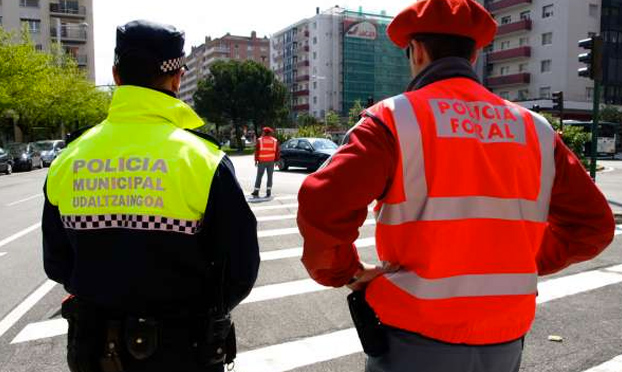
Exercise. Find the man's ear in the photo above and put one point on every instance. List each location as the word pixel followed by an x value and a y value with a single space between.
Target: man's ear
pixel 176 81
pixel 115 75
pixel 418 52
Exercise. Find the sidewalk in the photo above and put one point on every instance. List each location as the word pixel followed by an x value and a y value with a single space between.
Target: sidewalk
pixel 610 182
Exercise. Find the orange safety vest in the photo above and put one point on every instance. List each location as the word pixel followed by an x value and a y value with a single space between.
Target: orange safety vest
pixel 267 149
pixel 465 214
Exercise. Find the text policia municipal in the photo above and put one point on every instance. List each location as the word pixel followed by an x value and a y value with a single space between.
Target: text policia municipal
pixel 133 190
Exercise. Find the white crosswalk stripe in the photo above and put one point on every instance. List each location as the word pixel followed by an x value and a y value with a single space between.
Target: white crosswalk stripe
pixel 296 351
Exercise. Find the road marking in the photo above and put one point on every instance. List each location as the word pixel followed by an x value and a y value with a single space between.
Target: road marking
pixel 287 289
pixel 297 252
pixel 299 353
pixel 25 200
pixel 272 207
pixel 287 197
pixel 46 329
pixel 294 230
pixel 276 218
pixel 21 309
pixel 613 365
pixel 573 284
pixel 618 230
pixel 2 254
pixel 18 235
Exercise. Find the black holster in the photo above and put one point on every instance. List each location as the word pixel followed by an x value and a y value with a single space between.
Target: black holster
pixel 219 345
pixel 371 332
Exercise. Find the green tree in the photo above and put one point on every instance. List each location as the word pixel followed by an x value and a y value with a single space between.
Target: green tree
pixel 355 113
pixel 573 136
pixel 332 120
pixel 305 120
pixel 611 114
pixel 241 93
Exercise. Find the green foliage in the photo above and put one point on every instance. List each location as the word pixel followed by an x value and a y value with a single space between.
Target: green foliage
pixel 332 120
pixel 241 93
pixel 573 136
pixel 610 114
pixel 317 131
pixel 45 90
pixel 305 120
pixel 282 136
pixel 354 113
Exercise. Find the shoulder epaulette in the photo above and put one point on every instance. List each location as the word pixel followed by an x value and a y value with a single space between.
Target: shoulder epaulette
pixel 70 137
pixel 205 136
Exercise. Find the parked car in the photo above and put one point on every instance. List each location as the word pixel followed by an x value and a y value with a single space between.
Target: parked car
pixel 26 156
pixel 309 153
pixel 6 162
pixel 50 150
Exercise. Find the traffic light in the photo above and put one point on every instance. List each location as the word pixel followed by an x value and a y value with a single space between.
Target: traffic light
pixel 558 101
pixel 593 58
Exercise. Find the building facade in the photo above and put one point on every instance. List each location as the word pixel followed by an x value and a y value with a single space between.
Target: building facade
pixel 68 22
pixel 536 51
pixel 337 57
pixel 611 29
pixel 228 47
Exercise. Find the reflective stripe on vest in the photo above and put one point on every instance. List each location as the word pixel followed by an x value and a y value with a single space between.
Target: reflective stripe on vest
pixel 267 149
pixel 418 206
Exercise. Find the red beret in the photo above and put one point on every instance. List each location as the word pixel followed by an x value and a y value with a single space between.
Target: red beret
pixel 267 130
pixel 454 17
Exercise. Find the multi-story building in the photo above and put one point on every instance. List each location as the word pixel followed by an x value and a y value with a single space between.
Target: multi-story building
pixel 336 57
pixel 611 29
pixel 228 47
pixel 536 51
pixel 68 22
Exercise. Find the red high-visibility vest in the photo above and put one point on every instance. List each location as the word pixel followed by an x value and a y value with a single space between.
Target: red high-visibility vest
pixel 267 149
pixel 465 214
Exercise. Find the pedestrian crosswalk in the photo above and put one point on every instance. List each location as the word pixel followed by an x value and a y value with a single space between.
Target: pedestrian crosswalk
pixel 283 280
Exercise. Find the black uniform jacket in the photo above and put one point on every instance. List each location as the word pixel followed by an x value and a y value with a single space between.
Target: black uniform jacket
pixel 158 272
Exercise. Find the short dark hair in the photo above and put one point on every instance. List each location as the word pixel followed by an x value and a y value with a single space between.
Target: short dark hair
pixel 141 69
pixel 442 45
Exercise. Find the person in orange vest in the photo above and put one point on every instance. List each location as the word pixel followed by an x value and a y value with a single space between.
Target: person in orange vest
pixel 475 198
pixel 267 152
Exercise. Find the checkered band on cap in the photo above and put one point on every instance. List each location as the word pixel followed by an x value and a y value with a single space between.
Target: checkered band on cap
pixel 132 222
pixel 173 64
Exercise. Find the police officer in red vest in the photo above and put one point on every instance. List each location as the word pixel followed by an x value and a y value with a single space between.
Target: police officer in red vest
pixel 475 198
pixel 267 152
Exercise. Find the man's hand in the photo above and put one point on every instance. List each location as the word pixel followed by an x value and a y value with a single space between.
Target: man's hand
pixel 368 272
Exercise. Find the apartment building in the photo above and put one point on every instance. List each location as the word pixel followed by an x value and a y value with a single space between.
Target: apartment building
pixel 535 51
pixel 228 47
pixel 336 57
pixel 68 22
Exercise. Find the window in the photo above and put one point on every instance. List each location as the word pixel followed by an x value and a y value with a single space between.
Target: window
pixel 525 15
pixel 314 100
pixel 315 85
pixel 505 45
pixel 315 25
pixel 314 40
pixel 589 93
pixel 547 11
pixel 314 55
pixel 504 95
pixel 523 94
pixel 505 20
pixel 547 38
pixel 524 41
pixel 593 10
pixel 505 70
pixel 523 67
pixel 545 92
pixel 29 3
pixel 545 65
pixel 304 145
pixel 39 47
pixel 33 25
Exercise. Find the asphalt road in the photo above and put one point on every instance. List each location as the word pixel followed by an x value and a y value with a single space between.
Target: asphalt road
pixel 289 323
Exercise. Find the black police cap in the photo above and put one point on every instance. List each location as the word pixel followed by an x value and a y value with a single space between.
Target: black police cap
pixel 163 44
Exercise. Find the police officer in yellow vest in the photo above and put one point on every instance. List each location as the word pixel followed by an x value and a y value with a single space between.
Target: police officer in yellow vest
pixel 146 226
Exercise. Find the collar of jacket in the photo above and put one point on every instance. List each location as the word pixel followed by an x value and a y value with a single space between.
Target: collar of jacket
pixel 132 104
pixel 442 69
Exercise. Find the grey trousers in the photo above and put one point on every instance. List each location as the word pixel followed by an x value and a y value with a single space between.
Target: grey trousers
pixel 409 352
pixel 268 167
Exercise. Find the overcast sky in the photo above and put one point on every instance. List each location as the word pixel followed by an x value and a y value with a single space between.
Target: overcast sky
pixel 200 18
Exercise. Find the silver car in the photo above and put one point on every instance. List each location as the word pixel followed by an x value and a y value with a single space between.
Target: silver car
pixel 50 150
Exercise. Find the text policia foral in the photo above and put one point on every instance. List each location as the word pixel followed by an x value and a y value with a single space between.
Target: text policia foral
pixel 102 175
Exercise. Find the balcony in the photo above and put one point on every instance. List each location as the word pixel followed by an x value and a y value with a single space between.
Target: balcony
pixel 515 79
pixel 71 33
pixel 301 93
pixel 303 64
pixel 504 55
pixel 496 6
pixel 523 25
pixel 303 78
pixel 67 11
pixel 304 107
